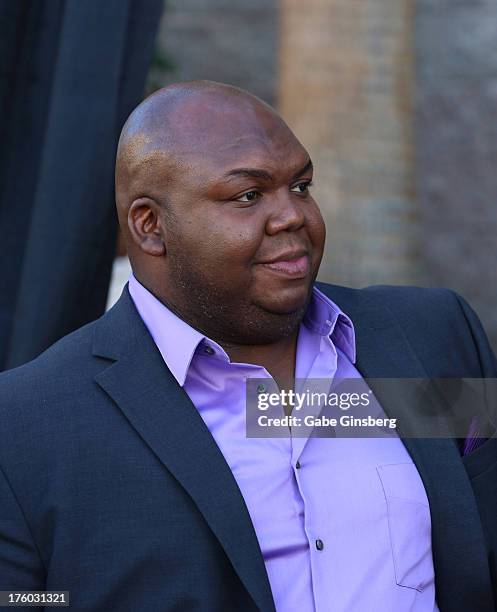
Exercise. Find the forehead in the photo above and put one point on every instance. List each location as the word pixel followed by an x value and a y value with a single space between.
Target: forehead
pixel 215 140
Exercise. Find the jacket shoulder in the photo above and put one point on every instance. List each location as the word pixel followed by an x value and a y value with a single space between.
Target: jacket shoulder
pixel 440 325
pixel 399 298
pixel 57 369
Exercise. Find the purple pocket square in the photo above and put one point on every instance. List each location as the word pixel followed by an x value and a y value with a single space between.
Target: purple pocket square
pixel 472 441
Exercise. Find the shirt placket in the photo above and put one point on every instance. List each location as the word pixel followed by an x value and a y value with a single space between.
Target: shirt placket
pixel 323 370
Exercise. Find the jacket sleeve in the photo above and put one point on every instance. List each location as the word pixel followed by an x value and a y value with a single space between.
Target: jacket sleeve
pixel 20 564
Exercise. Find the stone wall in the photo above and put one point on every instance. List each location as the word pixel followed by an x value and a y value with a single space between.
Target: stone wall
pixel 456 148
pixel 232 41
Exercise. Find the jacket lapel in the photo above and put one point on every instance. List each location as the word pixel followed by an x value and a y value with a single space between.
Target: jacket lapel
pixel 162 414
pixel 461 567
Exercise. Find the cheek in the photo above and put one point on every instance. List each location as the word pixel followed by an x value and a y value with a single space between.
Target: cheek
pixel 225 242
pixel 316 228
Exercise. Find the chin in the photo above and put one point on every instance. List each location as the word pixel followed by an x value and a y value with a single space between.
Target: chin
pixel 286 301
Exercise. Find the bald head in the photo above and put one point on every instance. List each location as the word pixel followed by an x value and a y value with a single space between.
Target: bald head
pixel 174 127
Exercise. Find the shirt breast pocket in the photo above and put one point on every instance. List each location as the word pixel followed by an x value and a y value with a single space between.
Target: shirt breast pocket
pixel 409 524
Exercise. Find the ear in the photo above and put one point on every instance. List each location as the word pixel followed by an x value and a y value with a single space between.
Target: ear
pixel 146 226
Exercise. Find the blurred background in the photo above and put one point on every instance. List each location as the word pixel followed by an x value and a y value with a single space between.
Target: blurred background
pixel 396 101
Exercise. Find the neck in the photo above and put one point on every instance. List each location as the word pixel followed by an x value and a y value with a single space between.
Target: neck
pixel 278 358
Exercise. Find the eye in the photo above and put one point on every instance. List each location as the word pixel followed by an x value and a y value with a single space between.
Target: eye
pixel 302 188
pixel 248 196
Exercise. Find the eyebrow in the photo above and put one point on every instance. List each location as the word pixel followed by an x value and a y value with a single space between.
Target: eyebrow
pixel 263 174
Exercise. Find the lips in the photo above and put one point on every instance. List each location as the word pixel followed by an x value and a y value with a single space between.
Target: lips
pixel 293 265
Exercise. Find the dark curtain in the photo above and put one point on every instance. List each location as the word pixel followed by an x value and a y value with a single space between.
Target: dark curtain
pixel 70 73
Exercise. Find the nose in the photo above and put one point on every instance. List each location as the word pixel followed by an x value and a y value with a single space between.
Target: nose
pixel 285 214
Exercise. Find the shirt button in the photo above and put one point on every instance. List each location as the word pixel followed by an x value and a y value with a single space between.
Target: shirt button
pixel 209 350
pixel 261 388
pixel 319 544
pixel 297 465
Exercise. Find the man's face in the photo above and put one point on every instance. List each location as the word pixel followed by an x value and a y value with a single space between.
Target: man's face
pixel 245 237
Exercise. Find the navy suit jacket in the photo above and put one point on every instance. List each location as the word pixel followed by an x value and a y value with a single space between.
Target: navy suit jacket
pixel 112 487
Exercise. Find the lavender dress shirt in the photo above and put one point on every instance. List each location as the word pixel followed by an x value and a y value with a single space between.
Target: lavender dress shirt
pixel 343 524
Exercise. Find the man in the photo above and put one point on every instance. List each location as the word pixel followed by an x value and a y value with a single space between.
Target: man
pixel 126 475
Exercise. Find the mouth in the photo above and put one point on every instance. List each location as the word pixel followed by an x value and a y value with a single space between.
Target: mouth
pixel 290 265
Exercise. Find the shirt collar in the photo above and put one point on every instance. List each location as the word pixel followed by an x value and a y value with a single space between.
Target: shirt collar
pixel 177 341
pixel 326 318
